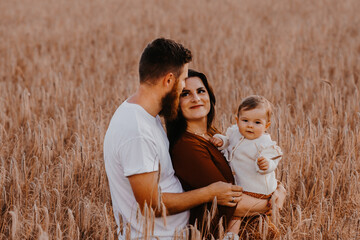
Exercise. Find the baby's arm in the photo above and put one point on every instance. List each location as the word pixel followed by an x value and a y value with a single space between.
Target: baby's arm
pixel 217 142
pixel 224 140
pixel 263 163
pixel 220 141
pixel 269 159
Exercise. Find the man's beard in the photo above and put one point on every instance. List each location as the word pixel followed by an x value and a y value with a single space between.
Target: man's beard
pixel 170 104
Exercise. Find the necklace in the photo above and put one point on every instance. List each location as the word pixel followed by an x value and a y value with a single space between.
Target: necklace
pixel 204 135
pixel 200 134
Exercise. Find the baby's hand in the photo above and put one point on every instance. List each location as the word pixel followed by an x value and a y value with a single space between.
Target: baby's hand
pixel 263 163
pixel 217 142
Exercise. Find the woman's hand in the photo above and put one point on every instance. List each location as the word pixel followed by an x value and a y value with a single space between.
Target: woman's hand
pixel 226 194
pixel 278 197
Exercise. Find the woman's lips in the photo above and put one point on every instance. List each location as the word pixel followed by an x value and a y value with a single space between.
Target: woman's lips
pixel 196 106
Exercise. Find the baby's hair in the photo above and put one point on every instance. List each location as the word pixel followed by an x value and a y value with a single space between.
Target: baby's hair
pixel 255 101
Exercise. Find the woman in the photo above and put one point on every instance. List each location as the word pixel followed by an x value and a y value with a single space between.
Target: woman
pixel 197 163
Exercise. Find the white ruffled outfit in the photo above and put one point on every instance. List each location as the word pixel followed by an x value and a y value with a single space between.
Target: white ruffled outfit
pixel 242 155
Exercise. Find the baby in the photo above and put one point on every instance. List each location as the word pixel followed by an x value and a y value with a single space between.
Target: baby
pixel 253 156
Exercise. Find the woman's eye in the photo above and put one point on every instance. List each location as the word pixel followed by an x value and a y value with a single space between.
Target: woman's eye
pixel 201 91
pixel 184 94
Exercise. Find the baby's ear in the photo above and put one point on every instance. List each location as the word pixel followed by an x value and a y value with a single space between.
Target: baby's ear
pixel 267 125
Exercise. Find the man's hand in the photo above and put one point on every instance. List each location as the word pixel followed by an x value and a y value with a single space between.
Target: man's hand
pixel 217 142
pixel 226 194
pixel 263 163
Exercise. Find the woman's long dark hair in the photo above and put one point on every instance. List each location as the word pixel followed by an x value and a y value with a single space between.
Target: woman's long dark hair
pixel 177 127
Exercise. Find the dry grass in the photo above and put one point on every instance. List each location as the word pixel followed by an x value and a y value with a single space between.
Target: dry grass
pixel 66 65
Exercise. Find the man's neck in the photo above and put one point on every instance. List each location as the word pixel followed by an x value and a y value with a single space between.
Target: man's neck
pixel 147 97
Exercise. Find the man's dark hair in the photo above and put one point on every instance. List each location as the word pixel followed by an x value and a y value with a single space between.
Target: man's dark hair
pixel 161 57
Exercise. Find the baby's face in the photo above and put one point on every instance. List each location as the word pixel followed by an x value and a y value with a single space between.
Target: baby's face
pixel 252 123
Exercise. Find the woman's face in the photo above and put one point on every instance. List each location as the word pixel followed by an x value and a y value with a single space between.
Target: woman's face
pixel 194 100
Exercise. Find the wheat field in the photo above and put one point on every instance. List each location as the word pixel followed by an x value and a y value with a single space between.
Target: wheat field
pixel 65 66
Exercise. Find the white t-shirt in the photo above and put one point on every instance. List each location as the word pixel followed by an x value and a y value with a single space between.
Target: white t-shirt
pixel 136 143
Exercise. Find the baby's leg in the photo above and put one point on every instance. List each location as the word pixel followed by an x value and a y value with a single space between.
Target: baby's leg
pixel 233 229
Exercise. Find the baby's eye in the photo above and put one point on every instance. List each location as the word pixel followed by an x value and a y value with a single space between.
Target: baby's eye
pixel 258 122
pixel 244 120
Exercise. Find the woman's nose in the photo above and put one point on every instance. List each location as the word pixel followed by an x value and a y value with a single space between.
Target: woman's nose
pixel 195 97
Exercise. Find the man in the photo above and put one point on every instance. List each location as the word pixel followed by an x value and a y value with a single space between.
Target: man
pixel 136 153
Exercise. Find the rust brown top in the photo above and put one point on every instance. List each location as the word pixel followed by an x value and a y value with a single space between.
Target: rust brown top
pixel 198 163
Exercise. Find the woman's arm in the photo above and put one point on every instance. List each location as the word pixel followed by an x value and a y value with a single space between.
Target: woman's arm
pixel 278 197
pixel 249 206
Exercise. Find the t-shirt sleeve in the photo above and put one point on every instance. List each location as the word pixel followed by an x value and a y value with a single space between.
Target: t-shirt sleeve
pixel 138 155
pixel 194 166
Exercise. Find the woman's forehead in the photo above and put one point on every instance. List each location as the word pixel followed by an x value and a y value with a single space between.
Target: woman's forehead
pixel 193 83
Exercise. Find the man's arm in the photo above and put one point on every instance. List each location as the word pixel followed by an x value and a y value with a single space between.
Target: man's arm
pixel 145 189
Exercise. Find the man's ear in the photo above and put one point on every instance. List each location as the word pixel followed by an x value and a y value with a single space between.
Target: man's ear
pixel 267 125
pixel 168 80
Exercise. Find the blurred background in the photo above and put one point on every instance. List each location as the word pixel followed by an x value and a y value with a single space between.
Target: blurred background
pixel 65 66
